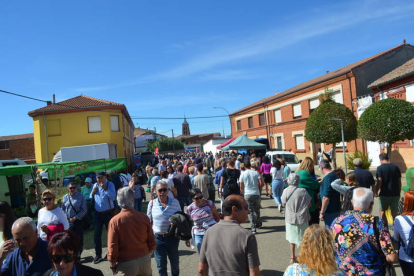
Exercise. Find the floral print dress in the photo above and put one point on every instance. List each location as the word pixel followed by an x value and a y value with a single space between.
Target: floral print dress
pixel 356 246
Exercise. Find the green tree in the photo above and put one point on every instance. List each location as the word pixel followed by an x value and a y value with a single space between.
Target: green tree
pixel 389 121
pixel 165 144
pixel 321 129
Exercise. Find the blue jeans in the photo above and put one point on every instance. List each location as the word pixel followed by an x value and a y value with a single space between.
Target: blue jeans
pixel 183 200
pixel 277 189
pixel 329 218
pixel 198 240
pixel 138 204
pixel 167 247
pixel 99 220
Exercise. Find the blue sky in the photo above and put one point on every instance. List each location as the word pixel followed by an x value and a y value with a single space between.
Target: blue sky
pixel 167 58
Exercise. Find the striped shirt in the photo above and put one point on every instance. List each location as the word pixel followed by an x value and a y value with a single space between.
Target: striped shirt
pixel 160 216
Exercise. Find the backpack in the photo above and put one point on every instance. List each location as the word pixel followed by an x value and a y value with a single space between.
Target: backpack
pixel 231 183
pixel 409 248
pixel 181 226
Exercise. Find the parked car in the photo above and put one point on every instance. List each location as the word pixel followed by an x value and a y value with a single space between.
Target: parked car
pixel 290 159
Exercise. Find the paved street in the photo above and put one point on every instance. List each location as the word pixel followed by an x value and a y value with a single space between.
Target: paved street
pixel 273 247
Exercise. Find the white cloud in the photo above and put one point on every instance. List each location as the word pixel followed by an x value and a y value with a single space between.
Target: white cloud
pixel 227 75
pixel 252 46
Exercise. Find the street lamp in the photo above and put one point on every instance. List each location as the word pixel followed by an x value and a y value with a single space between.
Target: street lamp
pixel 228 114
pixel 343 139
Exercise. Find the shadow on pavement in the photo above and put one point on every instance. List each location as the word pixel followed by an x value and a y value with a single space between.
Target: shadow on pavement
pixel 267 218
pixel 271 229
pixel 271 272
pixel 187 252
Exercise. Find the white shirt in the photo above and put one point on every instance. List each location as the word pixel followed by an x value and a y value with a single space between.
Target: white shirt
pixel 250 179
pixel 276 174
pixel 402 232
pixel 51 217
pixel 124 179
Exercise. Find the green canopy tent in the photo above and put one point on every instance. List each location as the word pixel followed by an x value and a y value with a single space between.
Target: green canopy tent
pixel 69 168
pixel 242 142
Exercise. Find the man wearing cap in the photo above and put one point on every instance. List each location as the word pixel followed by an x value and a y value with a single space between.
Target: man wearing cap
pixel 363 177
pixel 86 191
pixel 103 193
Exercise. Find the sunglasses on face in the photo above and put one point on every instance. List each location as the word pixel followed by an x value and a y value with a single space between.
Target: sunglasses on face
pixel 72 188
pixel 198 197
pixel 163 190
pixel 47 199
pixel 66 258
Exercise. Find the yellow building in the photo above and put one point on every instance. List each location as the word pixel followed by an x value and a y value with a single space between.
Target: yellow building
pixel 81 121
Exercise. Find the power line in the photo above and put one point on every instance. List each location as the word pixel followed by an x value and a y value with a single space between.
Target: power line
pixel 180 118
pixel 22 96
pixel 132 117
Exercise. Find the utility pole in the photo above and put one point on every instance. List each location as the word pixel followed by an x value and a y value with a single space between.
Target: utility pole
pixel 172 131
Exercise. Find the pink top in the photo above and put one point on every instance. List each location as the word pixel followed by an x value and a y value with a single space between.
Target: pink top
pixel 265 168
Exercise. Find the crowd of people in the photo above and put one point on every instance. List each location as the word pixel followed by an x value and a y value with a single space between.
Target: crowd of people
pixel 182 206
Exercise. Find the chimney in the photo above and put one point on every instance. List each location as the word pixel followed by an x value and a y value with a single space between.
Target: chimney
pixel 54 99
pixel 49 103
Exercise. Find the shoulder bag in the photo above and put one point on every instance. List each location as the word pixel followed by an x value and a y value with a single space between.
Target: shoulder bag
pixel 389 268
pixel 86 221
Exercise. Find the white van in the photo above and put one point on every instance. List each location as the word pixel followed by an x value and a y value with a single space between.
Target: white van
pixel 13 187
pixel 291 160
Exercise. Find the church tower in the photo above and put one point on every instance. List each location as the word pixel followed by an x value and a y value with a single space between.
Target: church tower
pixel 185 128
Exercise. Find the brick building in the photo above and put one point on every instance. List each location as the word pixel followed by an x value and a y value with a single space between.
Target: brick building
pixel 18 146
pixel 281 118
pixel 399 84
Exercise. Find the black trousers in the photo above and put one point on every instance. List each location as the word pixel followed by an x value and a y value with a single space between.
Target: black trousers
pixel 77 227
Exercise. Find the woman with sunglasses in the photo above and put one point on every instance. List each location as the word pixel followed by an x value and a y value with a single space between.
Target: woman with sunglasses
pixel 64 249
pixel 51 219
pixel 74 206
pixel 204 215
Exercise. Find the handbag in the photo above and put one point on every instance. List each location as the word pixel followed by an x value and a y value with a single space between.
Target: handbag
pixel 389 268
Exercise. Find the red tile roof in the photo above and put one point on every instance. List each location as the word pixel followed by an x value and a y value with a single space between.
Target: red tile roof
pixel 76 103
pixel 79 103
pixel 321 79
pixel 405 70
pixel 16 137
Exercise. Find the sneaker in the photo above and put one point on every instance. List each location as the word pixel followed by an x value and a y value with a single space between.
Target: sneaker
pixel 280 208
pixel 271 196
pixel 105 258
pixel 259 225
pixel 254 231
pixel 97 259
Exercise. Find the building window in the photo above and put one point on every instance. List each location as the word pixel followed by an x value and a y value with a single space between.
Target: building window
pixel 297 111
pixel 4 145
pixel 278 116
pixel 250 119
pixel 114 122
pixel 238 125
pixel 300 142
pixel 279 144
pixel 53 128
pixel 94 124
pixel 313 104
pixel 262 119
pixel 337 97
